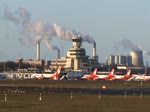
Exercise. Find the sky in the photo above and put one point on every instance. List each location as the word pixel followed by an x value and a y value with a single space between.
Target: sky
pixel 117 26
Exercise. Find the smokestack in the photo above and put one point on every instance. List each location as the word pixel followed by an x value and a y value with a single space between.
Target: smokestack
pixel 58 53
pixel 94 50
pixel 38 51
pixel 137 57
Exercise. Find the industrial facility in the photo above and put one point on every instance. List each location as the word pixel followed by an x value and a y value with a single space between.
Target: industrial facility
pixel 77 59
pixel 119 60
pixel 137 58
pixel 134 59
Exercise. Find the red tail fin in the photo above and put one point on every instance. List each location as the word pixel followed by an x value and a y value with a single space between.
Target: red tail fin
pixel 112 72
pixel 145 72
pixel 95 71
pixel 93 75
pixel 57 73
pixel 128 74
pixel 58 70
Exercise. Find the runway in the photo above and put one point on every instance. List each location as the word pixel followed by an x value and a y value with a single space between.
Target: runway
pixel 78 86
pixel 112 91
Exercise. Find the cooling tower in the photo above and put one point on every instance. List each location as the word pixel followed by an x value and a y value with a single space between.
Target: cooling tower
pixel 38 51
pixel 137 58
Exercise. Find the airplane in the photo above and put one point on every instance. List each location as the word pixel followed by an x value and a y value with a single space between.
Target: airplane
pixel 3 75
pixel 122 77
pixel 74 75
pixel 106 77
pixel 91 76
pixel 37 76
pixel 142 77
pixel 54 76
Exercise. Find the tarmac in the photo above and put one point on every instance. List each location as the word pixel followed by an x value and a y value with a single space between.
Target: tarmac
pixel 77 90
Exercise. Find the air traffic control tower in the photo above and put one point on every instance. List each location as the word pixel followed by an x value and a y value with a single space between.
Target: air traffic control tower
pixel 77 54
pixel 75 58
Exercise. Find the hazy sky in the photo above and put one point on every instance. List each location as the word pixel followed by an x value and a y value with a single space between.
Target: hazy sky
pixel 111 23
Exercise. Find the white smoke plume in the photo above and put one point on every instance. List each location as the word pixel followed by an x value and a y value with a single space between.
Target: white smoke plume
pixel 40 31
pixel 126 44
pixel 146 53
pixel 8 15
pixel 87 38
pixel 69 34
pixel 49 46
pixel 26 41
pixel 43 32
pixel 48 32
pixel 24 15
pixel 21 17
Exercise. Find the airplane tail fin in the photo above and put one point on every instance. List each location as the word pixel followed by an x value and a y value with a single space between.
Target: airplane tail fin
pixel 57 73
pixel 145 72
pixel 93 75
pixel 95 71
pixel 58 70
pixel 128 74
pixel 112 73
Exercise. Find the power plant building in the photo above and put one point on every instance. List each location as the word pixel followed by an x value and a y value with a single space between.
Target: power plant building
pixel 137 58
pixel 128 60
pixel 119 60
pixel 110 59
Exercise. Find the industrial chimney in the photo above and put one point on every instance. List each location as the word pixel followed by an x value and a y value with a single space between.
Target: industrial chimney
pixel 137 58
pixel 94 50
pixel 58 53
pixel 38 51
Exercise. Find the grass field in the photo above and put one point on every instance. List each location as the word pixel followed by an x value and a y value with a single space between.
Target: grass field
pixel 75 102
pixel 25 101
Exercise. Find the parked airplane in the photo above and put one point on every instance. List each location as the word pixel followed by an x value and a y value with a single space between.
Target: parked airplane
pixel 37 76
pixel 3 75
pixel 106 77
pixel 54 76
pixel 142 77
pixel 91 76
pixel 122 77
pixel 74 75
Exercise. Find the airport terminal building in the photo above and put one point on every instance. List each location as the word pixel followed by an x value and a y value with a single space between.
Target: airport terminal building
pixel 76 58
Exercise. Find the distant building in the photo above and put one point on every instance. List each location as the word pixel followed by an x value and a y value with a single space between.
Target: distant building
pixel 76 58
pixel 30 61
pixel 119 60
pixel 128 60
pixel 137 58
pixel 110 59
